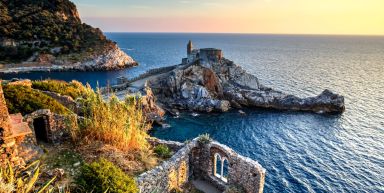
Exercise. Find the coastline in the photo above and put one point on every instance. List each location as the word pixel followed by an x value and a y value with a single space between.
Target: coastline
pixel 112 59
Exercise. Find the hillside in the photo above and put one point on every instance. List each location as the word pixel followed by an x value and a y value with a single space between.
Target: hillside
pixel 49 34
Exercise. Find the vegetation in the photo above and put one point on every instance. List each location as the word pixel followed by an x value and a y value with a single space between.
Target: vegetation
pixel 163 151
pixel 103 176
pixel 21 180
pixel 25 100
pixel 39 25
pixel 118 123
pixel 204 138
pixel 73 89
pixel 114 129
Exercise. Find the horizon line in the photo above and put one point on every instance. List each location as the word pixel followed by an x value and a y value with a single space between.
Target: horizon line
pixel 242 33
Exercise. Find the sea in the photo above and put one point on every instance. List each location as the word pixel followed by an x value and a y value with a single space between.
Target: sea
pixel 301 151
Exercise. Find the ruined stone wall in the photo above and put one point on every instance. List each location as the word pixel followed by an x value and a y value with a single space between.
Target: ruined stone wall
pixel 170 175
pixel 209 55
pixel 56 125
pixel 242 171
pixel 196 161
pixel 8 149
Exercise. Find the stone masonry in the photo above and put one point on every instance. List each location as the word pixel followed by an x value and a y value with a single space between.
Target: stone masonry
pixel 196 160
pixel 8 138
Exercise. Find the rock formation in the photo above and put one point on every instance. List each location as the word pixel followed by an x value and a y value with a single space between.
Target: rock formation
pixel 111 59
pixel 224 85
pixel 50 36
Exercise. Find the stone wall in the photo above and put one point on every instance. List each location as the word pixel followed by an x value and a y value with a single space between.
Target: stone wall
pixel 55 125
pixel 8 147
pixel 172 174
pixel 242 171
pixel 196 161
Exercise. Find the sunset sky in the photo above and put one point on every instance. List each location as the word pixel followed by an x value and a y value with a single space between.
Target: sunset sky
pixel 236 16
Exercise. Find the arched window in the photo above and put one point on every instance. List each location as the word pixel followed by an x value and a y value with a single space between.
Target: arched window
pixel 225 170
pixel 217 166
pixel 220 167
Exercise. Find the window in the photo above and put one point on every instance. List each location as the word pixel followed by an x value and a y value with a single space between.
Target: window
pixel 220 167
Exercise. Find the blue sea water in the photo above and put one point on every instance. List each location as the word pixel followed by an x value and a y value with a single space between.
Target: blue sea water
pixel 302 152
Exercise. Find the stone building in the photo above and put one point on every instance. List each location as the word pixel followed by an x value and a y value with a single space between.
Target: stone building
pixel 210 162
pixel 205 56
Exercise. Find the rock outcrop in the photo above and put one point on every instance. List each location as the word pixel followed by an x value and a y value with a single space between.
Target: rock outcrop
pixel 50 36
pixel 111 59
pixel 225 85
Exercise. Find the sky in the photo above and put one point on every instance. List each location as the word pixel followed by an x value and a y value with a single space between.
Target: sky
pixel 354 17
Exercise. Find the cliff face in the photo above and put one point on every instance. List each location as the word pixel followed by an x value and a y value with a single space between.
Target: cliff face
pixel 226 85
pixel 49 35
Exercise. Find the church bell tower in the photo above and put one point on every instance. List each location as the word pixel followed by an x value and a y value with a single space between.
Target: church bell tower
pixel 189 47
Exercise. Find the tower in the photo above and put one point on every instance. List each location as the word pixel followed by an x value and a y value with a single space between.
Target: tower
pixel 189 47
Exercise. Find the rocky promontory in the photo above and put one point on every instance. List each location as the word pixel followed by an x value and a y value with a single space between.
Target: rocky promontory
pixel 110 59
pixel 50 36
pixel 206 82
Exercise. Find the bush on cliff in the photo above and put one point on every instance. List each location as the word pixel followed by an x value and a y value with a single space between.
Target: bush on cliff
pixel 25 100
pixel 115 122
pixel 103 176
pixel 163 151
pixel 73 89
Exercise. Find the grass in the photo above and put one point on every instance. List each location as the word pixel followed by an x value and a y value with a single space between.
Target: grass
pixel 73 89
pixel 22 179
pixel 103 176
pixel 114 122
pixel 114 129
pixel 25 100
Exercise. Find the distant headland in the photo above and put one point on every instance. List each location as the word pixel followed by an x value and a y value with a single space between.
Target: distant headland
pixel 50 36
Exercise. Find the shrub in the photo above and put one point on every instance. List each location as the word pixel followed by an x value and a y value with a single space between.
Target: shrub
pixel 163 151
pixel 24 100
pixel 118 123
pixel 21 180
pixel 103 176
pixel 204 138
pixel 73 89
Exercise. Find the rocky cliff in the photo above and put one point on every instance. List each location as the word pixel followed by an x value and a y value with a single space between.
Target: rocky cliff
pixel 49 35
pixel 226 85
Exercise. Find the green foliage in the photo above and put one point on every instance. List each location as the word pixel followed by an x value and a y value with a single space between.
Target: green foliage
pixel 103 176
pixel 25 100
pixel 204 138
pixel 40 24
pixel 21 180
pixel 163 151
pixel 73 89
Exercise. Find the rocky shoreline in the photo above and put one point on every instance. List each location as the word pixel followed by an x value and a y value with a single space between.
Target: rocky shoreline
pixel 217 84
pixel 112 59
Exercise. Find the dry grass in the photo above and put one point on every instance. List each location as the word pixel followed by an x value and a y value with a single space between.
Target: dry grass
pixel 22 179
pixel 131 162
pixel 118 123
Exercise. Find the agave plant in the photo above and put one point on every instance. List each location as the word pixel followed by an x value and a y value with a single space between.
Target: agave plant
pixel 22 179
